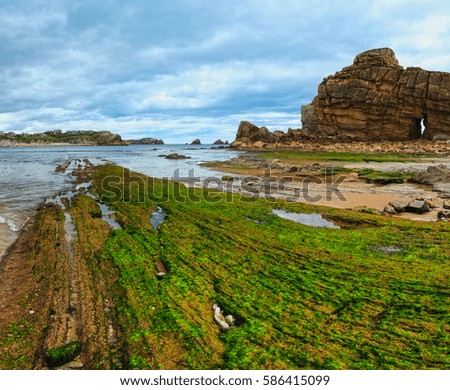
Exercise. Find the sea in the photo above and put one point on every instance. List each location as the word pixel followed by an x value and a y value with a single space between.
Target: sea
pixel 28 177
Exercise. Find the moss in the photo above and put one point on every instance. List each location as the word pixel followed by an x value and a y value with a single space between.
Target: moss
pixel 384 177
pixel 291 287
pixel 61 355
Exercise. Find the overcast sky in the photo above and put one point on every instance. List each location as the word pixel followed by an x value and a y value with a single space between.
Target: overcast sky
pixel 181 69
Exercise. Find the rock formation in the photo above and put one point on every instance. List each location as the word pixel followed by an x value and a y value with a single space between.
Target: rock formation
pixel 146 141
pixel 108 138
pixel 57 137
pixel 196 142
pixel 377 99
pixel 248 134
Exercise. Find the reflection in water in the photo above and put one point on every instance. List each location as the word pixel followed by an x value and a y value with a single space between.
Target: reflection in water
pixel 106 216
pixel 158 218
pixel 314 220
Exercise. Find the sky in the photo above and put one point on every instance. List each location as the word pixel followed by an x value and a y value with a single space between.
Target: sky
pixel 185 69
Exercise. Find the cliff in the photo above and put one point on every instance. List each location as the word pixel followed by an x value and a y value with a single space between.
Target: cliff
pixel 377 99
pixel 57 137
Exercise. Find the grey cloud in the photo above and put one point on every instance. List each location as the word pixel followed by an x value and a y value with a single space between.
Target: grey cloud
pixel 144 67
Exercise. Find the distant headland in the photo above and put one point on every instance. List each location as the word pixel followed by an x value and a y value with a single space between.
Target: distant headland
pixel 60 138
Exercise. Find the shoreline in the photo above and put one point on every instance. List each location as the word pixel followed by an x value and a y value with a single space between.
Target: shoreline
pixel 136 290
pixel 26 145
pixel 290 177
pixel 330 144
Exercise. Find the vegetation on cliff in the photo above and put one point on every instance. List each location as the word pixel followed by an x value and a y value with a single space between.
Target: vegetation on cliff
pixel 79 137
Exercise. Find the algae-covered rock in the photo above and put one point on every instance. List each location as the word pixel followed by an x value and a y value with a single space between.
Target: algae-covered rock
pixel 60 355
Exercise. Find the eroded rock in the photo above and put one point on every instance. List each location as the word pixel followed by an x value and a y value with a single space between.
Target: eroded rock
pixel 250 135
pixel 399 205
pixel 175 156
pixel 418 207
pixel 377 99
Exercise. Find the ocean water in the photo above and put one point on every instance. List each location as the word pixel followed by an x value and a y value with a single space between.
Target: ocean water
pixel 28 177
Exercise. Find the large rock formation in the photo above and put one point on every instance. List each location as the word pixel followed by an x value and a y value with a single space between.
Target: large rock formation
pixel 57 137
pixel 248 135
pixel 108 138
pixel 377 99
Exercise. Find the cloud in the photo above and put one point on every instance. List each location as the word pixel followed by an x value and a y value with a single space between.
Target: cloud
pixel 171 69
pixel 430 33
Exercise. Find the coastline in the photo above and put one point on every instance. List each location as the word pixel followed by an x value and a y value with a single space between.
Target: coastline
pixel 139 296
pixel 32 145
pixel 338 179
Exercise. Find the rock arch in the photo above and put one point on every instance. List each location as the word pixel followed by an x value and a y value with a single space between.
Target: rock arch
pixel 377 99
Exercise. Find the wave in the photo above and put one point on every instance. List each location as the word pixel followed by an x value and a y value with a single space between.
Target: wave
pixel 12 225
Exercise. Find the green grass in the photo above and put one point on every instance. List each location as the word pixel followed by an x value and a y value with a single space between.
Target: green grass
pixel 304 298
pixel 384 177
pixel 344 157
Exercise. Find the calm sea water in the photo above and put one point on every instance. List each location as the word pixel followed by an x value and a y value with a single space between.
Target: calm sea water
pixel 27 175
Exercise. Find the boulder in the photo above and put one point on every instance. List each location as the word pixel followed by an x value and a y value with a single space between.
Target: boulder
pixel 418 207
pixel 443 214
pixel 248 134
pixel 443 189
pixel 433 175
pixel 389 210
pixel 399 205
pixel 175 156
pixel 432 203
pixel 377 99
pixel 446 205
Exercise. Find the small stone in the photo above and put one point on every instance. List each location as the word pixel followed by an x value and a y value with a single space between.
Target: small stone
pixel 31 312
pixel 389 210
pixel 230 320
pixel 160 275
pixel 446 205
pixel 74 365
pixel 432 204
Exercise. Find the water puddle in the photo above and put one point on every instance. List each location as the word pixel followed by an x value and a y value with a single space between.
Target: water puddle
pixel 83 186
pixel 106 216
pixel 62 199
pixel 387 250
pixel 158 218
pixel 314 220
